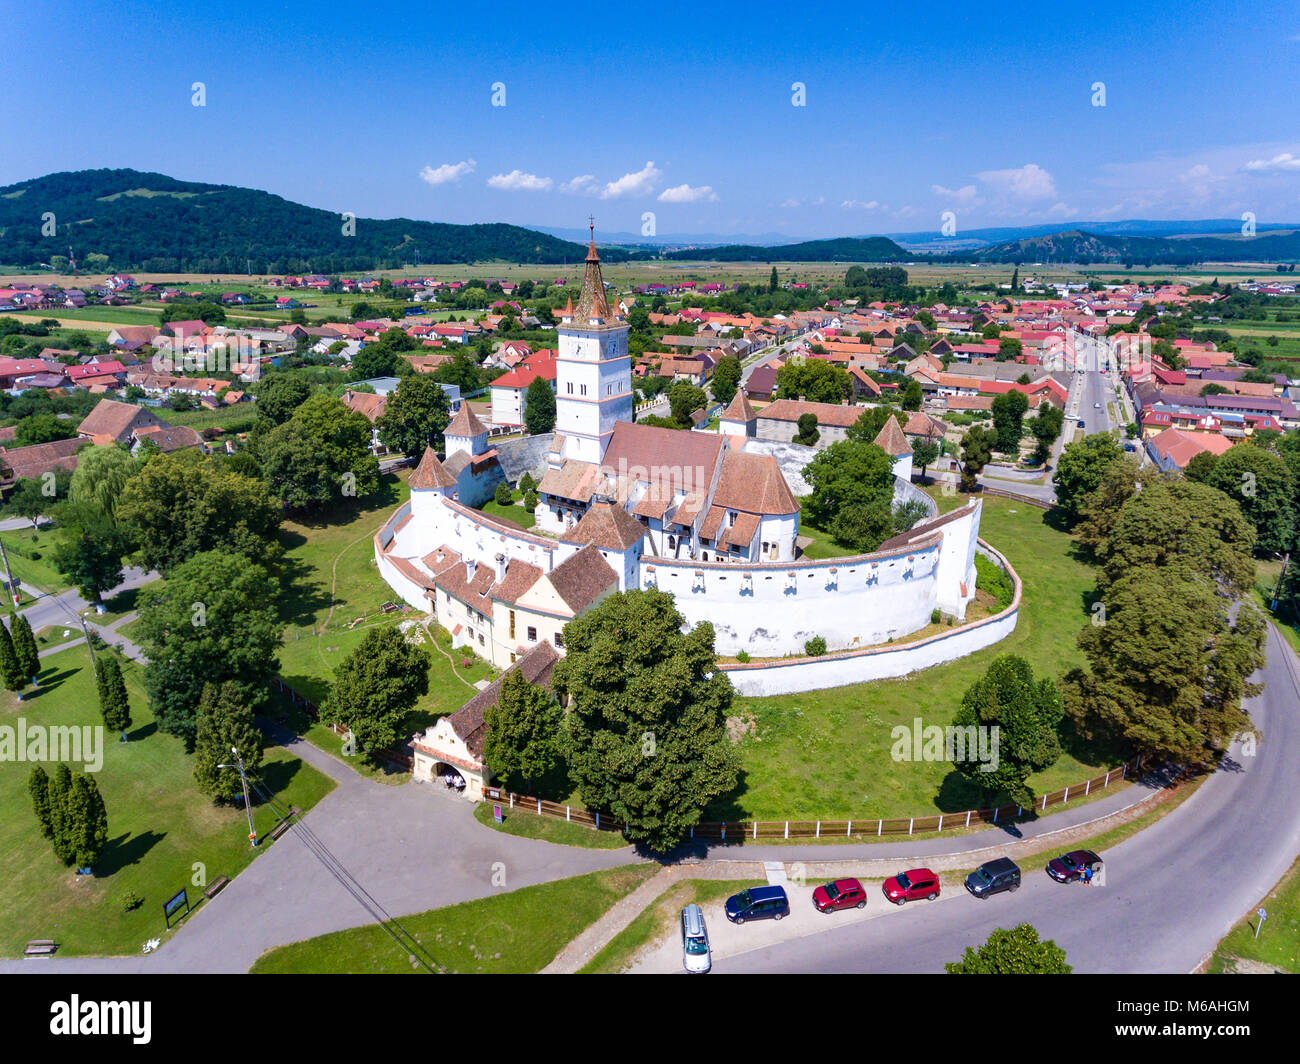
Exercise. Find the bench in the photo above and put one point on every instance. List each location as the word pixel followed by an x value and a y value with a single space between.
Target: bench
pixel 40 947
pixel 217 887
pixel 280 829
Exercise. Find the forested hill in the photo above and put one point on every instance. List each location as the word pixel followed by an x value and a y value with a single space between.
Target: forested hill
pixel 1078 246
pixel 154 223
pixel 841 249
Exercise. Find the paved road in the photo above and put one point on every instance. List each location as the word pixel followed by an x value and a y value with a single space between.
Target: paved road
pixel 413 847
pixel 1171 892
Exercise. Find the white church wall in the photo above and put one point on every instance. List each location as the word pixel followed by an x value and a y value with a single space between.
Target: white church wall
pixel 878 663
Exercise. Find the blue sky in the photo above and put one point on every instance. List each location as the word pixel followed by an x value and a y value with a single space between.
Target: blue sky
pixel 683 110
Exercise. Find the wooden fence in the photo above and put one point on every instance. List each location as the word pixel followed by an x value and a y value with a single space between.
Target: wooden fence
pixel 818 829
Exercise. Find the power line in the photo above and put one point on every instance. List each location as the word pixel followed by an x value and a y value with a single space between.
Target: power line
pixel 391 926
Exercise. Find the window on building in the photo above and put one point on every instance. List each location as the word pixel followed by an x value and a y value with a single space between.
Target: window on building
pixel 532 634
pixel 582 388
pixel 480 639
pixel 559 639
pixel 569 386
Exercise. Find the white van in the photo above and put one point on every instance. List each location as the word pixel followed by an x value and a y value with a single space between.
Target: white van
pixel 695 941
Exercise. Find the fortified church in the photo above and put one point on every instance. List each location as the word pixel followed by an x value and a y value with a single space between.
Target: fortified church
pixel 709 517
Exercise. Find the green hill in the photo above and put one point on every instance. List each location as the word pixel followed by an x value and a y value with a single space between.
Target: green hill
pixel 841 249
pixel 1075 245
pixel 155 223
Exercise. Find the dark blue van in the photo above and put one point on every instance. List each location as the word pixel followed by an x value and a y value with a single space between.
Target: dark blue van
pixel 758 903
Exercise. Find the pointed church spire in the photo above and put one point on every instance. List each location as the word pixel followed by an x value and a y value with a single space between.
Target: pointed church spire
pixel 592 302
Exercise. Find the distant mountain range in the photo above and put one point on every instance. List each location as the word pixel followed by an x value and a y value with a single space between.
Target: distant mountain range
pixel 156 223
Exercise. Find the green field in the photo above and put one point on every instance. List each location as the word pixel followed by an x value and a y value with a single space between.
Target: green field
pixel 514 512
pixel 222 417
pixel 515 933
pixel 163 834
pixel 333 593
pixel 520 822
pixel 826 754
pixel 28 551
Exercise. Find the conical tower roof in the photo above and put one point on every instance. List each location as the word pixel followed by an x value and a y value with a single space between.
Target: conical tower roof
pixel 739 409
pixel 892 440
pixel 465 423
pixel 592 302
pixel 430 474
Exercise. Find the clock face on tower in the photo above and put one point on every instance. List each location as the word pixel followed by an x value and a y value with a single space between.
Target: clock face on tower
pixel 613 347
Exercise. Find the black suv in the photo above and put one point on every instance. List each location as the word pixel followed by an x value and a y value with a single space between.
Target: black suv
pixel 993 877
pixel 758 903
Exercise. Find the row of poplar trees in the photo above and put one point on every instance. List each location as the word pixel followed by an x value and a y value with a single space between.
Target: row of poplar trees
pixel 71 813
pixel 19 660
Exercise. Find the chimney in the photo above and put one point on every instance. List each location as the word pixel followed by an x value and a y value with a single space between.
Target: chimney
pixel 470 566
pixel 502 563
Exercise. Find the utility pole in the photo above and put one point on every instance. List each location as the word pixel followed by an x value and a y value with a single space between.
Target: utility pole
pixel 8 575
pixel 248 806
pixel 1277 588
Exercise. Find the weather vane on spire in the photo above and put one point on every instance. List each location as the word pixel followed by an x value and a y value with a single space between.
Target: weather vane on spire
pixel 591 224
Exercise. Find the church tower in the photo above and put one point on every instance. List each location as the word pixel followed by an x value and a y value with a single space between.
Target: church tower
pixel 593 369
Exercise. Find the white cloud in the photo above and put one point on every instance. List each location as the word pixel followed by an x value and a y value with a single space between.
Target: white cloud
pixel 686 194
pixel 962 196
pixel 640 183
pixel 517 180
pixel 850 204
pixel 440 175
pixel 1060 210
pixel 1030 181
pixel 1281 162
pixel 789 203
pixel 582 185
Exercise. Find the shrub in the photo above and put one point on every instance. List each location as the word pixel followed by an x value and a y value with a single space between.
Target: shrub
pixel 815 647
pixel 935 616
pixel 993 579
pixel 742 656
pixel 504 496
pixel 130 901
pixel 530 500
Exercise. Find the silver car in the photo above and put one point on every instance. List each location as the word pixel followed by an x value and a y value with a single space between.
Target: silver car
pixel 695 941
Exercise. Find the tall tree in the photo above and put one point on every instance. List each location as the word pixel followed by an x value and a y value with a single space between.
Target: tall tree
pixel 85 821
pixel 11 672
pixel 1027 714
pixel 114 705
pixel 539 407
pixel 416 415
pixel 320 457
pixel 684 398
pixel 214 620
pixel 1263 487
pixel 924 454
pixel 224 720
pixel 61 831
pixel 1123 479
pixel 912 395
pixel 647 738
pixel 38 786
pixel 25 652
pixel 1017 951
pixel 100 478
pixel 847 473
pixel 1008 420
pixel 976 450
pixel 1079 470
pixel 89 549
pixel 375 686
pixel 523 734
pixel 182 504
pixel 725 379
pixel 279 395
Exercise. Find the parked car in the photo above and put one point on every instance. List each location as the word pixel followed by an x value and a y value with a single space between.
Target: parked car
pixel 993 877
pixel 841 894
pixel 695 941
pixel 758 903
pixel 1082 424
pixel 1070 866
pixel 910 885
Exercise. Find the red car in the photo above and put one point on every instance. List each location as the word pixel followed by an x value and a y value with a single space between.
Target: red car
pixel 910 885
pixel 841 894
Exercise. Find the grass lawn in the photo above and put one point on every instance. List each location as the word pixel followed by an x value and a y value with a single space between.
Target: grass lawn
pixel 333 592
pixel 827 754
pixel 1278 945
pixel 657 919
pixel 519 821
pixel 514 512
pixel 162 832
pixel 53 635
pixel 516 933
pixel 822 545
pixel 36 573
pixel 221 417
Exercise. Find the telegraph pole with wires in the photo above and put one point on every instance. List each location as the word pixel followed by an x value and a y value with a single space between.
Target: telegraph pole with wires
pixel 248 805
